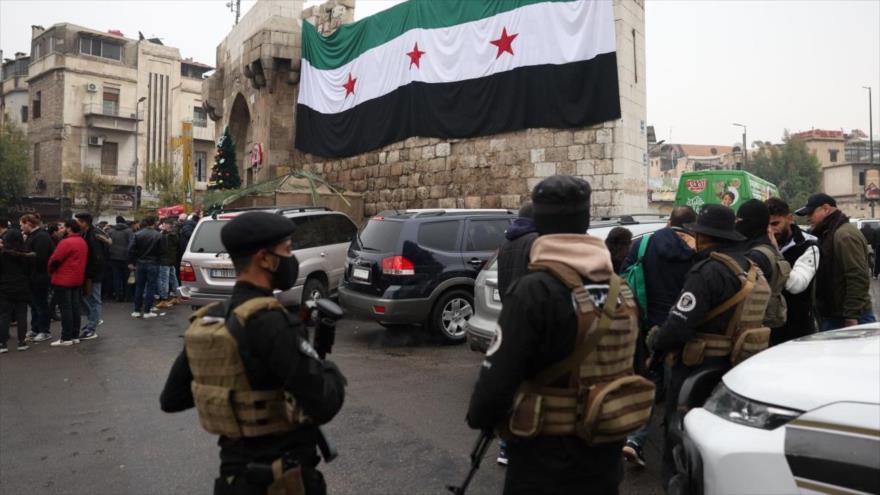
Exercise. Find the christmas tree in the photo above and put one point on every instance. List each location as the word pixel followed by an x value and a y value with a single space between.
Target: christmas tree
pixel 224 173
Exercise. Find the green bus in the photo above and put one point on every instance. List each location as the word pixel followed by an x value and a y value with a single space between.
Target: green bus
pixel 728 187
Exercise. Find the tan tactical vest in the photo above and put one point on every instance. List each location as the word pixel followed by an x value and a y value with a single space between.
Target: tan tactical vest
pixel 603 400
pixel 223 396
pixel 746 334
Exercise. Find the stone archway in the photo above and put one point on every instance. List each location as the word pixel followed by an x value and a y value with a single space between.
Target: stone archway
pixel 242 135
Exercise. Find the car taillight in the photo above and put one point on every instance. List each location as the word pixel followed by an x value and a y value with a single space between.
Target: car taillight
pixel 187 274
pixel 398 265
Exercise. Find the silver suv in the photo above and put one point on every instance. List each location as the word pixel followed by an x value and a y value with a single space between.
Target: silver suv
pixel 320 243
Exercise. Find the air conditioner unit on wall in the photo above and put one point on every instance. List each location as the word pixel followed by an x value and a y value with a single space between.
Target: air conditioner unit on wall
pixel 92 88
pixel 96 141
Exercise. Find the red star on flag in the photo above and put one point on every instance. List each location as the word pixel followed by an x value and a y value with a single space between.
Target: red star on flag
pixel 349 86
pixel 414 56
pixel 504 43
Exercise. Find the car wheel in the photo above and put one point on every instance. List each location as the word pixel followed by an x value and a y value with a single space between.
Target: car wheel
pixel 450 314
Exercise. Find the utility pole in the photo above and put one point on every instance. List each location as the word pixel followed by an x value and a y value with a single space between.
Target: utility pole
pixel 134 198
pixel 235 6
pixel 870 128
pixel 745 150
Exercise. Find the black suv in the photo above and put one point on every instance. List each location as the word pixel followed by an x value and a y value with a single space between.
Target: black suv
pixel 418 267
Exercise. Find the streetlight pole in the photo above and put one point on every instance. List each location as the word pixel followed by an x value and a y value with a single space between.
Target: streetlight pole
pixel 745 150
pixel 137 122
pixel 870 128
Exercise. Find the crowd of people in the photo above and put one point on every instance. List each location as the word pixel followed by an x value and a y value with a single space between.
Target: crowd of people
pixel 64 271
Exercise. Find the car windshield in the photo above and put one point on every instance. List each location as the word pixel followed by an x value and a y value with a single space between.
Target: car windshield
pixel 380 235
pixel 206 238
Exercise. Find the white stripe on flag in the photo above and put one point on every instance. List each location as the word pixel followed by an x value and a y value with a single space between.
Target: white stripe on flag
pixel 547 33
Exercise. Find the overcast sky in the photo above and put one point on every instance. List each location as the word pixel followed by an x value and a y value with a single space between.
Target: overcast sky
pixel 772 65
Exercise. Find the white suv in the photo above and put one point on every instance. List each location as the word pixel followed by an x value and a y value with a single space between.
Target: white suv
pixel 320 243
pixel 801 417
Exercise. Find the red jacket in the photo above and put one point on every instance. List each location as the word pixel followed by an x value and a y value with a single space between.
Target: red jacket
pixel 67 265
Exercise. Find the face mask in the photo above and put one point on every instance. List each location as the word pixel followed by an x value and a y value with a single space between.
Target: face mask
pixel 284 276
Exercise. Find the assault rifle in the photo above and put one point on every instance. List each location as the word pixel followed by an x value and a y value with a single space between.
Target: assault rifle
pixel 477 454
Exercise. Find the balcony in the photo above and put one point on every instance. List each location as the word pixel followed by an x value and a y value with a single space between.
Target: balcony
pixel 111 117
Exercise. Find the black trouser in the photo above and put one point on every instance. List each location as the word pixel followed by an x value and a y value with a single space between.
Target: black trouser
pixel 241 485
pixel 39 306
pixel 8 309
pixel 69 299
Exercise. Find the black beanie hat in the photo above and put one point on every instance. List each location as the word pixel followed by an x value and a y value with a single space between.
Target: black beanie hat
pixel 562 205
pixel 753 218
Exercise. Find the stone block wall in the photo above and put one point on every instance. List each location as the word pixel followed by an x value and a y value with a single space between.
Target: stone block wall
pixel 499 171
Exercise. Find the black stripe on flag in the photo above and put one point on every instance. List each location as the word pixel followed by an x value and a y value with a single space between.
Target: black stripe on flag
pixel 578 94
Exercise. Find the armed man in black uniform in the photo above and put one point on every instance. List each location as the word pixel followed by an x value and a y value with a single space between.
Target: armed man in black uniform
pixel 723 299
pixel 544 361
pixel 251 373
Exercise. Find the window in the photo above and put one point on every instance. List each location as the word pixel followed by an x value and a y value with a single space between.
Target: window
pixel 485 235
pixel 36 157
pixel 862 178
pixel 309 233
pixel 24 113
pixel 341 229
pixel 832 155
pixel 200 117
pixel 109 158
pixel 200 158
pixel 441 236
pixel 36 107
pixel 206 238
pixel 100 48
pixel 380 236
pixel 111 101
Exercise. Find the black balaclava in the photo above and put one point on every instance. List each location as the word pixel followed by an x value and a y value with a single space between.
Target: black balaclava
pixel 753 218
pixel 562 205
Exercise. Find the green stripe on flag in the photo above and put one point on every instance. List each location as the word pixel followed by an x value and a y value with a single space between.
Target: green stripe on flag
pixel 351 40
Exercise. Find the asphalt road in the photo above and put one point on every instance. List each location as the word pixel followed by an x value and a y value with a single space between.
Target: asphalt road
pixel 86 419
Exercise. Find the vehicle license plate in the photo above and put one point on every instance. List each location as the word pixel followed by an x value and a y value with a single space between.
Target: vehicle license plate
pixel 360 273
pixel 222 273
pixel 496 296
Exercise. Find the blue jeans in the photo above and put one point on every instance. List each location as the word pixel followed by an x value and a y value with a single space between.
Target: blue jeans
pixel 835 323
pixel 146 278
pixel 39 307
pixel 93 307
pixel 69 299
pixel 167 281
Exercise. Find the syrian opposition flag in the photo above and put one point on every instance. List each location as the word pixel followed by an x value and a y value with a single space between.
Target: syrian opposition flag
pixel 456 68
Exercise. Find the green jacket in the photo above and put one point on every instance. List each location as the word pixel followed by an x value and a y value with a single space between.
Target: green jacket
pixel 843 283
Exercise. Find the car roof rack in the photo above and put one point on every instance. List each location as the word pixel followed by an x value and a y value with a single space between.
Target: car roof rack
pixel 269 209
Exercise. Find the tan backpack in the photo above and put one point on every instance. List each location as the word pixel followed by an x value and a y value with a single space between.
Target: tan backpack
pixel 603 401
pixel 222 392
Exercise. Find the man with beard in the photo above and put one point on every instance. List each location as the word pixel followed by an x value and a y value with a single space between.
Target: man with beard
pixel 842 283
pixel 801 251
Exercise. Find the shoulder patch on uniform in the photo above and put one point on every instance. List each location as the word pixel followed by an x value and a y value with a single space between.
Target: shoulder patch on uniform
pixel 686 302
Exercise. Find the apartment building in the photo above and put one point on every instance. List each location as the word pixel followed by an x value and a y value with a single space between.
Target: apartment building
pixel 115 105
pixel 14 89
